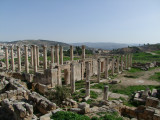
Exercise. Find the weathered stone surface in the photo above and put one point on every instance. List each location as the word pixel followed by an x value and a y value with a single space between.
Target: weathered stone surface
pixel 152 102
pixel 85 107
pixel 76 110
pixel 156 117
pixel 42 104
pixel 20 110
pixel 115 81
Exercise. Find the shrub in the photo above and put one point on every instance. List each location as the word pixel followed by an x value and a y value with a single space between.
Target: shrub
pixel 61 115
pixel 111 116
pixel 59 94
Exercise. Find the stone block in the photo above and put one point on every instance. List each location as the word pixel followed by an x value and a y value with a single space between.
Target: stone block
pixel 85 107
pixel 137 95
pixel 76 110
pixel 29 77
pixel 156 117
pixel 154 93
pixel 152 102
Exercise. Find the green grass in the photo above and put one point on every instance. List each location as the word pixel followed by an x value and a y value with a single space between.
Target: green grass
pixel 80 84
pixel 134 70
pixel 122 89
pixel 156 76
pixel 62 115
pixel 107 116
pixel 93 94
pixel 81 94
pixel 131 89
pixel 90 101
pixel 65 115
pixel 99 86
pixel 143 57
pixel 157 52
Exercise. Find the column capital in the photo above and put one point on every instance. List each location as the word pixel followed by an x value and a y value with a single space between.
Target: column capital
pixel 12 47
pixel 44 46
pixel 18 46
pixel 25 45
pixel 56 46
pixel 33 45
pixel 52 46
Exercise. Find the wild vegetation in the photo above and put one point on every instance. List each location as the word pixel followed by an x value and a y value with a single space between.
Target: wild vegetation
pixel 144 57
pixel 61 115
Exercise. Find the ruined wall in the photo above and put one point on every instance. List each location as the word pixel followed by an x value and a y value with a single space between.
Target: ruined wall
pixel 48 78
pixel 95 66
pixel 149 112
pixel 78 71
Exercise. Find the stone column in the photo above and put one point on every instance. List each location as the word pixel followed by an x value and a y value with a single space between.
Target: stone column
pixel 87 88
pixel 118 64
pixel 106 90
pixel 53 75
pixel 57 54
pixel 34 58
pixel 59 80
pixel 82 69
pixel 87 71
pixel 19 58
pixel 61 55
pixel 12 59
pixel 52 54
pixel 113 60
pixel 122 63
pixel 131 59
pixel 37 50
pixel 99 71
pixel 102 66
pixel 106 67
pixel 45 57
pixel 91 67
pixel 87 79
pixel 71 53
pixel 26 59
pixel 6 57
pixel 31 56
pixel 83 52
pixel 67 76
pixel 126 62
pixel 72 77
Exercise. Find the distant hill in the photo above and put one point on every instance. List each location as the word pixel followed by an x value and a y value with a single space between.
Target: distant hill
pixel 144 48
pixel 150 47
pixel 104 45
pixel 38 43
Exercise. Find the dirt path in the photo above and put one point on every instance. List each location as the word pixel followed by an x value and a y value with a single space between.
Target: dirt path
pixel 111 95
pixel 142 80
pixel 152 53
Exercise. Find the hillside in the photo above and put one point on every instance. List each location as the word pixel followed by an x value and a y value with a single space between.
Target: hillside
pixel 144 48
pixel 104 45
pixel 38 42
pixel 150 47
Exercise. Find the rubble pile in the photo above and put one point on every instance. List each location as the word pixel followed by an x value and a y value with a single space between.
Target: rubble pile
pixel 146 66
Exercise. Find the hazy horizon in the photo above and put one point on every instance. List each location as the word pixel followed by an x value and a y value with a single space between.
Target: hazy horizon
pixel 126 22
pixel 78 42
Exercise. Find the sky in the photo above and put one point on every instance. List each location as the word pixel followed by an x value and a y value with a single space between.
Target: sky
pixel 70 21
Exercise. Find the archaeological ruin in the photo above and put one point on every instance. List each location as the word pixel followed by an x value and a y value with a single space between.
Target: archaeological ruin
pixel 29 72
